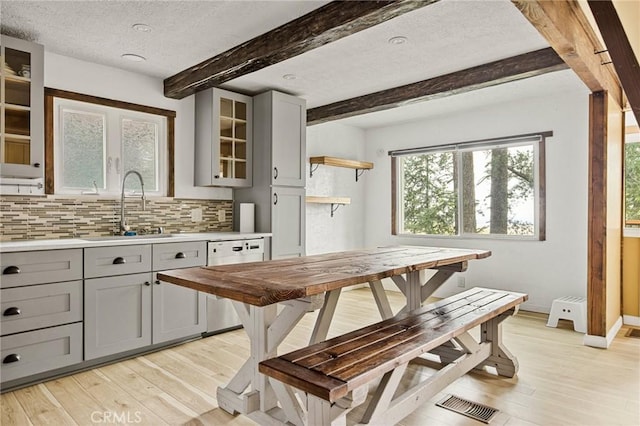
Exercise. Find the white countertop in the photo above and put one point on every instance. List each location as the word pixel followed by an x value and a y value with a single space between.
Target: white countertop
pixel 31 245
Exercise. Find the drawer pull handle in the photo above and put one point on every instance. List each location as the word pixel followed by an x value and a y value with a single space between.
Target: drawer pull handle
pixel 180 256
pixel 147 283
pixel 119 261
pixel 11 311
pixel 11 270
pixel 11 358
pixel 157 282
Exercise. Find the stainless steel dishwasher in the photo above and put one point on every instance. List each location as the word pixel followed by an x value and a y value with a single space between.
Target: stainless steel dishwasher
pixel 220 313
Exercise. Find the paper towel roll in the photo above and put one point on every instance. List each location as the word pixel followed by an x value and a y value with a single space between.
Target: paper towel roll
pixel 247 217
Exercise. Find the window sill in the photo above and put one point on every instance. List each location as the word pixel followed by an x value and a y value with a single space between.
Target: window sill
pixel 471 237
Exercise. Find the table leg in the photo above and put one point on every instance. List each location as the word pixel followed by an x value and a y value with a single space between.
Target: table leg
pixel 266 330
pixel 325 316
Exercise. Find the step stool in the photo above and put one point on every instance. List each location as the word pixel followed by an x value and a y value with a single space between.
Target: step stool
pixel 569 308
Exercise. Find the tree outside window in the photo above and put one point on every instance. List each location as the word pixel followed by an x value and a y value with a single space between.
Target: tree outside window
pixel 481 189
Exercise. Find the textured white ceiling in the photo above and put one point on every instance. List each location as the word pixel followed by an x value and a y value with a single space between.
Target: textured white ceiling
pixel 447 36
pixel 444 37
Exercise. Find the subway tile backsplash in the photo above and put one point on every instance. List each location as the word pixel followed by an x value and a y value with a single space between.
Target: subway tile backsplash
pixel 51 217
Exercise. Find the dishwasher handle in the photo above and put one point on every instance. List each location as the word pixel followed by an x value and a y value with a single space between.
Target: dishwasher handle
pixel 237 248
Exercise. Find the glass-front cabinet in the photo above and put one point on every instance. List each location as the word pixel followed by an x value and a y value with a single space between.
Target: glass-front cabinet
pixel 21 108
pixel 223 138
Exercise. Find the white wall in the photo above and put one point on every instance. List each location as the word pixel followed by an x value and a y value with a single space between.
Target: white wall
pixel 345 230
pixel 543 269
pixel 61 72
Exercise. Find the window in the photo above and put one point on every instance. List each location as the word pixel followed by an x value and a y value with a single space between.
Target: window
pixel 632 172
pixel 491 188
pixel 92 142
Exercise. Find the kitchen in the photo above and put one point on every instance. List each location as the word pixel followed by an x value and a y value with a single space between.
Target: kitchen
pixel 353 227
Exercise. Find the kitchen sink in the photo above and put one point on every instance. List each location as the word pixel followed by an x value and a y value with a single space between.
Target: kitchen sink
pixel 128 237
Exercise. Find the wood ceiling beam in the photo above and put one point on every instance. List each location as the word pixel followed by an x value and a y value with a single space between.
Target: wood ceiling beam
pixel 491 74
pixel 326 24
pixel 622 55
pixel 566 28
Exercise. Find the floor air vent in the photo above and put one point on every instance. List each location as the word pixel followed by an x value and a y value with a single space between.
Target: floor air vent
pixel 474 410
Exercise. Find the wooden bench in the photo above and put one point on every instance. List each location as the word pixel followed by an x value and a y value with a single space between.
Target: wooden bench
pixel 332 377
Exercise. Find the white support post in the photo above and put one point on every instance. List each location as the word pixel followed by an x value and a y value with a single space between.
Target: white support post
pixel 505 363
pixel 263 317
pixel 413 291
pixel 293 411
pixel 323 322
pixel 400 282
pixel 320 413
pixel 384 393
pixel 381 299
pixel 434 282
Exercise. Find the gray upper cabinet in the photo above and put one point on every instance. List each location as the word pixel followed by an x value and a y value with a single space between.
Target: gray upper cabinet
pixel 280 126
pixel 279 171
pixel 21 108
pixel 224 134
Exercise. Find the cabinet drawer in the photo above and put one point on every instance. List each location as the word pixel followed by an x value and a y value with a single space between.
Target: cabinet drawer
pixel 39 306
pixel 120 260
pixel 37 351
pixel 39 267
pixel 179 255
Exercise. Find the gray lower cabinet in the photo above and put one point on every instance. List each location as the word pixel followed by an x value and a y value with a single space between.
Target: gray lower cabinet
pixel 33 352
pixel 117 315
pixel 41 312
pixel 177 312
pixel 288 222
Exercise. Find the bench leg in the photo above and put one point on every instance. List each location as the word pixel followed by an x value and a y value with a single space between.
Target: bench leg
pixel 501 359
pixel 320 413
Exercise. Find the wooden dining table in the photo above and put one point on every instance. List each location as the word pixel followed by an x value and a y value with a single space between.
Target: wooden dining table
pixel 305 284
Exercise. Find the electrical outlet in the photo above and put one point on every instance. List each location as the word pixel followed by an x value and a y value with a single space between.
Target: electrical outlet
pixel 196 215
pixel 461 281
pixel 221 216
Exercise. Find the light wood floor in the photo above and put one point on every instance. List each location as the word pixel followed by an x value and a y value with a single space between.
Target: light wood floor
pixel 560 382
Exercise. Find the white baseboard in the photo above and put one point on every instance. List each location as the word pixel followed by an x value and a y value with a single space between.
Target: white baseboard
pixel 631 320
pixel 600 341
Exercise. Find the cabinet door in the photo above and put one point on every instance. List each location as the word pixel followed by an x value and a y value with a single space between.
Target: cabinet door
pixel 223 139
pixel 287 222
pixel 22 108
pixel 177 311
pixel 289 121
pixel 117 314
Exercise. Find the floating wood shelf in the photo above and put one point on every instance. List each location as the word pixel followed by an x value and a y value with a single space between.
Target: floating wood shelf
pixel 360 166
pixel 335 202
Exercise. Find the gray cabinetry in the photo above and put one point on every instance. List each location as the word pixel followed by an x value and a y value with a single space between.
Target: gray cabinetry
pixel 119 260
pixel 117 314
pixel 223 132
pixel 279 172
pixel 288 222
pixel 21 108
pixel 33 352
pixel 39 267
pixel 177 311
pixel 41 305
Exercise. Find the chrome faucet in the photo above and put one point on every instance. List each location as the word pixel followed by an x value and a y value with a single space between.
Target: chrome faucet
pixel 123 224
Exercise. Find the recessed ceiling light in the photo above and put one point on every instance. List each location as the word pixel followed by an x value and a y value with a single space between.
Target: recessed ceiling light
pixel 133 57
pixel 289 76
pixel 143 28
pixel 398 40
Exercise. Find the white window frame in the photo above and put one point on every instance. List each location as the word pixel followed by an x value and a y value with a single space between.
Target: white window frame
pixel 538 142
pixel 113 147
